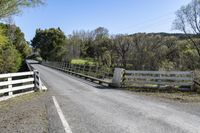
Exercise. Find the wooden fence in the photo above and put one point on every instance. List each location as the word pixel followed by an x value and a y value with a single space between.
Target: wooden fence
pixel 159 78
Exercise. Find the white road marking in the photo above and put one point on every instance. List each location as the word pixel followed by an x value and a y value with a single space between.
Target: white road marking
pixel 62 117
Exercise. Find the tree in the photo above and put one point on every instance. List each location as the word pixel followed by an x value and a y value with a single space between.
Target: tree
pixel 13 7
pixel 122 46
pixel 149 52
pixel 188 21
pixel 102 45
pixel 50 43
pixel 3 38
pixel 13 46
pixel 16 38
pixel 10 58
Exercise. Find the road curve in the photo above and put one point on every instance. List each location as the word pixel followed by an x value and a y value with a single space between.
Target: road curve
pixel 90 108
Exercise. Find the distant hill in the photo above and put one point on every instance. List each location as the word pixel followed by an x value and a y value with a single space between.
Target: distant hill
pixel 178 35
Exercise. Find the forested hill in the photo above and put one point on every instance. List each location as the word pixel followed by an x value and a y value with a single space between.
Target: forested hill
pixel 178 35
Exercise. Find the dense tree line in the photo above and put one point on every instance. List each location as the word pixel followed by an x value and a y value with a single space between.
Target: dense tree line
pixel 50 43
pixel 188 21
pixel 139 51
pixel 13 46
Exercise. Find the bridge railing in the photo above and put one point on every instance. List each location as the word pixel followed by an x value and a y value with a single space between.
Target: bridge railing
pixel 38 83
pixel 90 72
pixel 132 78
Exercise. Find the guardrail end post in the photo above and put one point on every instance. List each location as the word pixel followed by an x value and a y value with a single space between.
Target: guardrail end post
pixel 37 80
pixel 118 77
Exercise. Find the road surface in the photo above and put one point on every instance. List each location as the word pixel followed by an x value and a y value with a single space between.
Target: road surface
pixel 90 108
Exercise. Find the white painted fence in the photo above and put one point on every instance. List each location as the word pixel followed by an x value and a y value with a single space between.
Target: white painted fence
pixel 12 82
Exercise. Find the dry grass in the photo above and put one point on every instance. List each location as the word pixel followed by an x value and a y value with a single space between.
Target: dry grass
pixel 24 114
pixel 169 94
pixel 19 99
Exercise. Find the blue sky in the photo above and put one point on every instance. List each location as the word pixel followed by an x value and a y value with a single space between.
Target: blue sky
pixel 119 16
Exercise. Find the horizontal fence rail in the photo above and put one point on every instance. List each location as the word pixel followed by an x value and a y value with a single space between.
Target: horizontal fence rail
pixel 15 83
pixel 159 78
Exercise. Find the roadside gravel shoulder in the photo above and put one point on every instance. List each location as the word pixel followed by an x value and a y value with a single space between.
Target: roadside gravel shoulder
pixel 24 114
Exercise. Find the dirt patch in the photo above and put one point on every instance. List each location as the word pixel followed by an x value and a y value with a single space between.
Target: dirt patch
pixel 24 114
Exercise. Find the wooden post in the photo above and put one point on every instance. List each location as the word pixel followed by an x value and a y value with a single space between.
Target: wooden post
pixel 75 68
pixel 83 70
pixel 159 81
pixel 65 66
pixel 89 71
pixel 68 66
pixel 193 78
pixel 72 67
pixel 10 86
pixel 80 68
pixel 96 69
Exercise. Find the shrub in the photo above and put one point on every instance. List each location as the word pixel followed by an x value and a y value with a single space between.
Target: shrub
pixel 10 59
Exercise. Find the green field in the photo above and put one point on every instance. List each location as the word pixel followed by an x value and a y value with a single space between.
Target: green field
pixel 82 61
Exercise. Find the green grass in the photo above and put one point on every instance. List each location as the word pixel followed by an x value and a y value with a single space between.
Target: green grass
pixel 82 61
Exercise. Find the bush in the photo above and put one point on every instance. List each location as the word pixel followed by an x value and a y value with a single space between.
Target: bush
pixel 10 59
pixel 82 62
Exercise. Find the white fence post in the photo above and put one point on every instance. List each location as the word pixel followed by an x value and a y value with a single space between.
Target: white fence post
pixel 10 86
pixel 118 77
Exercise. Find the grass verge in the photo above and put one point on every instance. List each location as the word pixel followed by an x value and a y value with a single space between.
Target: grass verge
pixel 19 99
pixel 169 94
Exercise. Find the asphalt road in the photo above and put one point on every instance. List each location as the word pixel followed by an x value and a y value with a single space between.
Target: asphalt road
pixel 90 108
